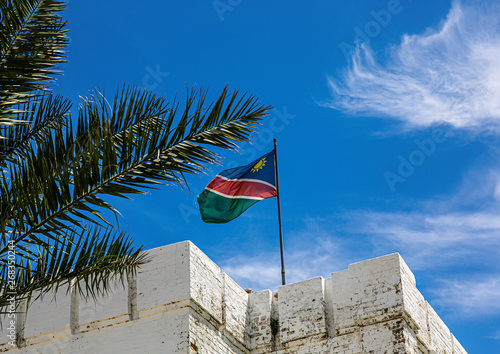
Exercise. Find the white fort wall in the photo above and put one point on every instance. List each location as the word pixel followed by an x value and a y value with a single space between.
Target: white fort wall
pixel 182 303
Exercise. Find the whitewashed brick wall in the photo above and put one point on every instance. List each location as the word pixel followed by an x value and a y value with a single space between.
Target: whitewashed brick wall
pixel 182 303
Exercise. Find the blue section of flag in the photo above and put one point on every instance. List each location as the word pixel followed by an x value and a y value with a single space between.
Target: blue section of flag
pixel 261 169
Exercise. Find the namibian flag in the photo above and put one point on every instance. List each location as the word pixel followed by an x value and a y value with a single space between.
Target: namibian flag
pixel 235 190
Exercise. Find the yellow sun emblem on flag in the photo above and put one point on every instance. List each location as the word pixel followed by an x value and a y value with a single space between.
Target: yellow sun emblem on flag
pixel 258 166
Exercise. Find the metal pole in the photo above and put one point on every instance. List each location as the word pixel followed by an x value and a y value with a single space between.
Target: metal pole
pixel 283 279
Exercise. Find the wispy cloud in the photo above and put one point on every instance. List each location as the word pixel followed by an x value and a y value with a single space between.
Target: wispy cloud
pixel 450 236
pixel 427 240
pixel 470 297
pixel 447 75
pixel 310 252
pixel 495 336
pixel 442 231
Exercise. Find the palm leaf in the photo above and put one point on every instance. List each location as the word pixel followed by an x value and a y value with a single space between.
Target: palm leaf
pixel 32 37
pixel 40 115
pixel 138 143
pixel 92 258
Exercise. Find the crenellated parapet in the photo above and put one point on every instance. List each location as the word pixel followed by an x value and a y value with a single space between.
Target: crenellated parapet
pixel 182 303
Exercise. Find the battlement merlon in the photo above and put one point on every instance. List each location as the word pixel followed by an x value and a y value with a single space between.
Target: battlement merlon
pixel 182 303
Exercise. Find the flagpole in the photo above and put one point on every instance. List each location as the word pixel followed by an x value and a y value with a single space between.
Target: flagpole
pixel 283 279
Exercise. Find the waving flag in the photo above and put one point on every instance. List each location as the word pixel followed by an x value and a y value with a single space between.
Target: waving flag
pixel 235 190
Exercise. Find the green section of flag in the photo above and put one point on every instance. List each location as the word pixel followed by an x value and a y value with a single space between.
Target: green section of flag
pixel 215 208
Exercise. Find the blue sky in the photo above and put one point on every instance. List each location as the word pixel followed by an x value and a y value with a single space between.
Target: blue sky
pixel 387 119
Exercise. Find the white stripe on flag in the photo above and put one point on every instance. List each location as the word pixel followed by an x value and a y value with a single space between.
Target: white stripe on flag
pixel 247 180
pixel 233 196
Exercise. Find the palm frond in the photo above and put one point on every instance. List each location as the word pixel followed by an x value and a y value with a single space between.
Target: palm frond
pixel 119 149
pixel 32 37
pixel 40 115
pixel 91 257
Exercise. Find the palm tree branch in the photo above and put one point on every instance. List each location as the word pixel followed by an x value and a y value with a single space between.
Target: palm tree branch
pixel 89 257
pixel 32 37
pixel 41 115
pixel 97 173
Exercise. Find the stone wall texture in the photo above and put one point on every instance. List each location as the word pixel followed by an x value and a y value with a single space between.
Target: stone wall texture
pixel 182 303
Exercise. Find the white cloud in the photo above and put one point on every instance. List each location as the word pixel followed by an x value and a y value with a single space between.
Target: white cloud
pixel 444 229
pixel 311 252
pixel 428 240
pixel 470 297
pixel 495 336
pixel 448 75
pixel 256 273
